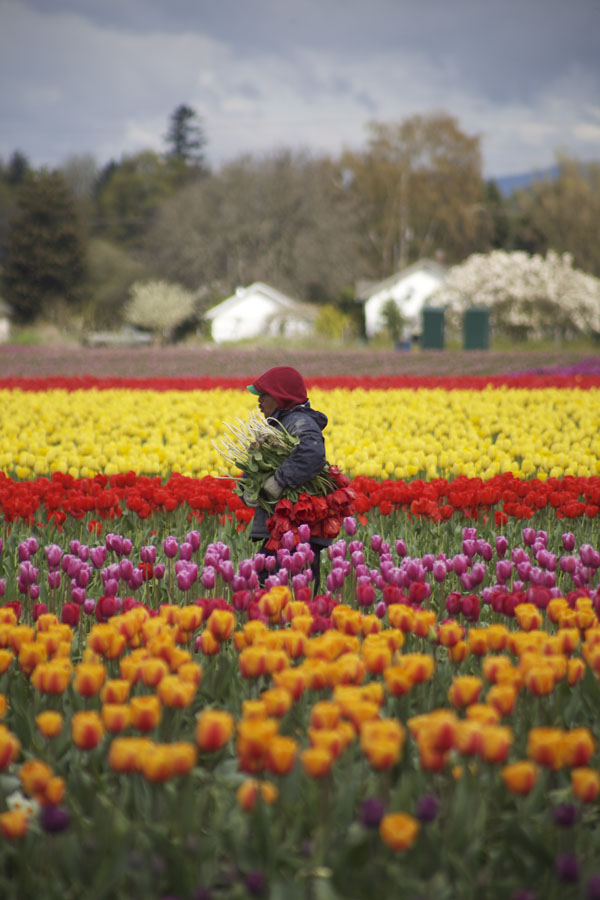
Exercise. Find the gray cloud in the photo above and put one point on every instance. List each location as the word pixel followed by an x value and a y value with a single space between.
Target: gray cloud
pixel 102 76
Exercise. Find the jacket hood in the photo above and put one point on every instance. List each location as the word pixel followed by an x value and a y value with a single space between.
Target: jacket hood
pixel 284 384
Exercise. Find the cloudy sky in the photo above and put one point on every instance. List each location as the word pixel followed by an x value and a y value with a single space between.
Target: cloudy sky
pixel 103 76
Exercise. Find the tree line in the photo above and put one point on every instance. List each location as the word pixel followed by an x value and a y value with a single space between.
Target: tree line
pixel 74 240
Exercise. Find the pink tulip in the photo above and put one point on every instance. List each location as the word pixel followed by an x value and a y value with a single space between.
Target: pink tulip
pixel 148 554
pixel 439 570
pixel 193 538
pixel 53 555
pixel 170 547
pixel 54 579
pixel 501 545
pixel 186 551
pixel 568 541
pixel 159 571
pixel 208 578
pixel 349 525
pixel 401 548
pixel 304 532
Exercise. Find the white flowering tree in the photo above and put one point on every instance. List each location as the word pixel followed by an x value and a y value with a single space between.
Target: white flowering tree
pixel 531 297
pixel 159 306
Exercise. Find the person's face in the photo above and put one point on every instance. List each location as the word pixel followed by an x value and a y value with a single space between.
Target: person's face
pixel 267 405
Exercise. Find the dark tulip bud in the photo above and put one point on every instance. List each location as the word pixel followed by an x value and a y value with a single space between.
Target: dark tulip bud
pixel 427 807
pixel 54 819
pixel 371 812
pixel 565 815
pixel 567 868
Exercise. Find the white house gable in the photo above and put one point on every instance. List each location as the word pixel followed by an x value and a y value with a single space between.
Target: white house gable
pixel 258 310
pixel 409 289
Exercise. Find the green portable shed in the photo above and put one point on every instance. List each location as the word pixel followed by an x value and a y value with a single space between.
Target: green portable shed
pixel 476 328
pixel 432 332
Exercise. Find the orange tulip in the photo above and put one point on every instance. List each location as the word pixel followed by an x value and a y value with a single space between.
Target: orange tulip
pixel 253 661
pixel 31 653
pixel 585 784
pixel 496 741
pixel 6 658
pixel 115 717
pixel 539 680
pixel 317 761
pixel 221 623
pixel 464 690
pixel 115 691
pixel 54 792
pixel 176 693
pixel 281 755
pixel 477 640
pixel 401 616
pixel 277 701
pixel 155 763
pixel 52 677
pixel 125 753
pixel 325 714
pixel 450 633
pixel 189 618
pixel 575 670
pixel 214 728
pixel 153 670
pixel 89 678
pixel 292 679
pixel 520 777
pixel 183 757
pixel 208 643
pixel 34 776
pixel 86 729
pixel 502 698
pixel 145 711
pixel 398 830
pixel 545 746
pixel 49 723
pixel 578 747
pixel 249 791
pixel 253 739
pixel 10 747
pixel 483 713
pixel 14 824
pixel 376 656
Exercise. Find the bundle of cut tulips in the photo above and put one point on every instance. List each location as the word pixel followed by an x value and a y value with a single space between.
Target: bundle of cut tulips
pixel 258 448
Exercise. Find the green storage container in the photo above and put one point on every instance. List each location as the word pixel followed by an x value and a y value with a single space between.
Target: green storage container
pixel 432 333
pixel 476 328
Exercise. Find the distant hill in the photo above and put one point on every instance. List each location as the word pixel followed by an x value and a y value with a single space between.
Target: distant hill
pixel 507 184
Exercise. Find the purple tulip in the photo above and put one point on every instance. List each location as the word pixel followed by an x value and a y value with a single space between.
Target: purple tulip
pixel 34 591
pixel 208 578
pixel 83 552
pixel 485 550
pixel 589 557
pixel 54 819
pixel 567 868
pixel 148 554
pixel 2 587
pixel 225 570
pixel 288 540
pixel 193 537
pixel 159 571
pixel 78 595
pixel 23 551
pixel 358 558
pixel 54 579
pixel 184 579
pixel 186 551
pixel 270 563
pixel 504 568
pixel 371 812
pixel 380 609
pixel 136 579
pixel 259 562
pixel 568 541
pixel 460 564
pixel 427 807
pixel 111 586
pixel 83 576
pixel 501 545
pixel 53 555
pixel 469 548
pixel 349 525
pixel 529 536
pixel 98 556
pixel 401 548
pixel 568 564
pixel 304 532
pixel 170 547
pixel 89 605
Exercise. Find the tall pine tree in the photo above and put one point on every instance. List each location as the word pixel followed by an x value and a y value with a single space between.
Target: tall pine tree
pixel 44 252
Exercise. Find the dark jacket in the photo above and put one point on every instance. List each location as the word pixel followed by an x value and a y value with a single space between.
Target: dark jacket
pixel 304 462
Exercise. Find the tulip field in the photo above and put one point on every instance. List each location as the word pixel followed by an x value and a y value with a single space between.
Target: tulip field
pixel 182 716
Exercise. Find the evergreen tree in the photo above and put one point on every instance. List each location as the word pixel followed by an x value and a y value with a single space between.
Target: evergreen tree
pixel 185 137
pixel 44 253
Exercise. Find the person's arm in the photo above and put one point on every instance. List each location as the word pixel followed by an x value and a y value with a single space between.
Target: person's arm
pixel 304 462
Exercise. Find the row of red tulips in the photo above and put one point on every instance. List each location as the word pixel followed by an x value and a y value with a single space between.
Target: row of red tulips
pixel 45 500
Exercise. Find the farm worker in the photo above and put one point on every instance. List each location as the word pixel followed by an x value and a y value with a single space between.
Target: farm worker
pixel 282 399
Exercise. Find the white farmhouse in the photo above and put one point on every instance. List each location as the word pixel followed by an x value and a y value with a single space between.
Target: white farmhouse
pixel 410 290
pixel 259 311
pixel 4 322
